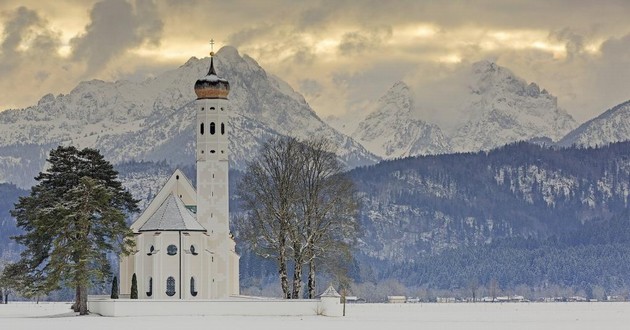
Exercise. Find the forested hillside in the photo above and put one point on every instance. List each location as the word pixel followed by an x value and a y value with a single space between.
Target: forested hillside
pixel 521 214
pixel 9 195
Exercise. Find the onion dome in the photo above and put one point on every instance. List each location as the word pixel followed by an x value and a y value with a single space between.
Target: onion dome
pixel 211 86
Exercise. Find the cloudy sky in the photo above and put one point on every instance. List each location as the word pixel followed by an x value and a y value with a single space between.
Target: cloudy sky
pixel 339 54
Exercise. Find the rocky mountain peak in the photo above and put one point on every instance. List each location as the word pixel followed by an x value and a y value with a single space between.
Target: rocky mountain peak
pixel 503 108
pixel 398 97
pixel 390 130
pixel 154 120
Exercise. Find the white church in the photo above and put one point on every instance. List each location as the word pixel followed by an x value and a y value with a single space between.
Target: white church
pixel 184 249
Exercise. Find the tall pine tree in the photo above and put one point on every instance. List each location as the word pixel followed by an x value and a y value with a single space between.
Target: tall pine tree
pixel 72 219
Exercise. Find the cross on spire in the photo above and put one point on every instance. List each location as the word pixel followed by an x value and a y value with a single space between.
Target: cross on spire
pixel 211 47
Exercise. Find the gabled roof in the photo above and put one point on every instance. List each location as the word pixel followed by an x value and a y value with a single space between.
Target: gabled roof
pixel 177 185
pixel 330 292
pixel 172 215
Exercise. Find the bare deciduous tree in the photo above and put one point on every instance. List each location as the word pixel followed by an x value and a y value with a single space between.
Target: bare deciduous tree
pixel 328 208
pixel 300 207
pixel 268 193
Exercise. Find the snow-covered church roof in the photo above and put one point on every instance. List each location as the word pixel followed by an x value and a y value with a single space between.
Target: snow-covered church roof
pixel 172 214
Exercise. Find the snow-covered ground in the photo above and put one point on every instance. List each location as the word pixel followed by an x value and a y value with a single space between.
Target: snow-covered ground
pixel 485 316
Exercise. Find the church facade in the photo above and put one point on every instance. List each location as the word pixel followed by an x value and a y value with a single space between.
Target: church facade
pixel 184 249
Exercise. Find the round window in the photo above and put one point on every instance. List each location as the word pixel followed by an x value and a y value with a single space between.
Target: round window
pixel 171 250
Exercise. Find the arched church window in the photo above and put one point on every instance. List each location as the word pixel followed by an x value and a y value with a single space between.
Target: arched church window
pixel 212 128
pixel 193 289
pixel 193 250
pixel 222 129
pixel 150 287
pixel 171 250
pixel 151 250
pixel 170 286
pixel 201 130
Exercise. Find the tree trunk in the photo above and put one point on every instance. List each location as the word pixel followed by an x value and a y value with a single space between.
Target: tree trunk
pixel 297 277
pixel 282 269
pixel 77 299
pixel 83 309
pixel 311 279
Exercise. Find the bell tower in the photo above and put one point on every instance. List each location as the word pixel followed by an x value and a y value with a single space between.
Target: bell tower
pixel 212 108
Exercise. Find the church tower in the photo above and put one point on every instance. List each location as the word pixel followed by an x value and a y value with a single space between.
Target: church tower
pixel 184 249
pixel 212 177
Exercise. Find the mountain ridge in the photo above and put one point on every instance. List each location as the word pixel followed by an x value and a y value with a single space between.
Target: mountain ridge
pixel 613 125
pixel 154 119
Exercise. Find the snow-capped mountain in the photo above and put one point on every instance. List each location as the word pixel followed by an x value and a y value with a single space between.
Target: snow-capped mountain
pixel 611 126
pixel 153 120
pixel 391 131
pixel 493 107
pixel 502 108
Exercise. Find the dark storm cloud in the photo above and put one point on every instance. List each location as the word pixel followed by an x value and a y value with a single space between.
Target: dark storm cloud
pixel 15 29
pixel 248 35
pixel 612 70
pixel 114 28
pixel 574 42
pixel 359 41
pixel 26 25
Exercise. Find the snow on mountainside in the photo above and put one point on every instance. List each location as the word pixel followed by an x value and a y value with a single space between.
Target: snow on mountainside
pixel 153 120
pixel 493 107
pixel 611 126
pixel 391 131
pixel 502 108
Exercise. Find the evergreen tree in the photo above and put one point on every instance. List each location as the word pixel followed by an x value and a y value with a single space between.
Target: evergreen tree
pixel 114 294
pixel 71 220
pixel 134 287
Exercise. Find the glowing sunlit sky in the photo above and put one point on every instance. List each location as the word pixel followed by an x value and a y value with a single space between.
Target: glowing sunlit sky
pixel 338 54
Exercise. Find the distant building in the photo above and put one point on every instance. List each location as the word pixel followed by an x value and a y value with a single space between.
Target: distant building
pixel 396 299
pixel 354 300
pixel 615 298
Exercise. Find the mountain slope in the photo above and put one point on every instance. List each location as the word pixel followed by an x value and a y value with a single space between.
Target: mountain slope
pixel 502 108
pixel 153 120
pixel 424 205
pixel 609 127
pixel 391 131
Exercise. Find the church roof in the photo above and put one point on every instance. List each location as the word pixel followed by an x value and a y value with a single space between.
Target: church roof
pixel 172 215
pixel 212 86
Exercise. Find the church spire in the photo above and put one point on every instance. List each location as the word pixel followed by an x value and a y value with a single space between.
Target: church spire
pixel 211 71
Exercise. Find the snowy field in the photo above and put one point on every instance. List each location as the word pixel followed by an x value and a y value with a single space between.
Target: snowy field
pixel 556 316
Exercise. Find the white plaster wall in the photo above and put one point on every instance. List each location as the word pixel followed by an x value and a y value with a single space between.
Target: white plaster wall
pixel 193 265
pixel 160 307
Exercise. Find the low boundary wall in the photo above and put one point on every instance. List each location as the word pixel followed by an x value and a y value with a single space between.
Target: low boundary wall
pixel 105 306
